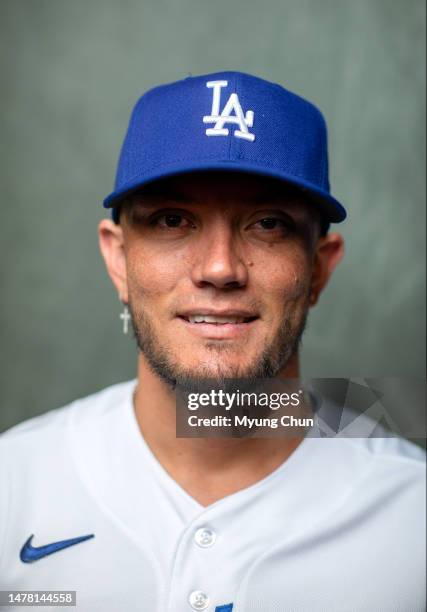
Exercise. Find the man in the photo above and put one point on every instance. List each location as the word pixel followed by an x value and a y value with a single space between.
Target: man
pixel 218 246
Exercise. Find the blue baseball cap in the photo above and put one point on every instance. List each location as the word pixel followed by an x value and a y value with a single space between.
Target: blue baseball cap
pixel 226 121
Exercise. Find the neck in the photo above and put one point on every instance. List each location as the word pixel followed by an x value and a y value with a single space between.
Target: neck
pixel 207 468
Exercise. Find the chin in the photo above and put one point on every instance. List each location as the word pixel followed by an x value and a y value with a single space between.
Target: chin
pixel 217 369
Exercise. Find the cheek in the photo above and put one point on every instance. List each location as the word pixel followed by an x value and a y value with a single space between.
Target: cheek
pixel 283 278
pixel 152 273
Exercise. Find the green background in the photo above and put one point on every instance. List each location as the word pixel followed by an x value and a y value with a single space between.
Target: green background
pixel 70 74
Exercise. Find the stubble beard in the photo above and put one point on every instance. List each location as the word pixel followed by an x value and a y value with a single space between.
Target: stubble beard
pixel 268 364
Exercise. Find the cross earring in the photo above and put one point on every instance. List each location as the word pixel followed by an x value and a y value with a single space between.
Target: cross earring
pixel 125 316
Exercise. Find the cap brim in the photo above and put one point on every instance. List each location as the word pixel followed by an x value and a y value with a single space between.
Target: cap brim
pixel 328 206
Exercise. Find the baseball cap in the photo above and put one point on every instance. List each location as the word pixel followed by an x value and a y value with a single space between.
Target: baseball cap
pixel 226 121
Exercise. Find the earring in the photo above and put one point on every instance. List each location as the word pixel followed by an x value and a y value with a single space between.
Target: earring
pixel 125 316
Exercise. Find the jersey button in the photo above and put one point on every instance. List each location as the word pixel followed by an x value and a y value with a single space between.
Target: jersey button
pixel 205 537
pixel 198 600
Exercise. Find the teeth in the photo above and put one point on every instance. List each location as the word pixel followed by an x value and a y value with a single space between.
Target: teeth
pixel 212 319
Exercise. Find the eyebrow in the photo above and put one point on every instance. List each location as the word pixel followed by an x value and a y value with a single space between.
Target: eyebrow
pixel 170 195
pixel 274 196
pixel 161 194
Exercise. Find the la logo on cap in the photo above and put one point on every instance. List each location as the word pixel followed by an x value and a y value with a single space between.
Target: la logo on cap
pixel 233 104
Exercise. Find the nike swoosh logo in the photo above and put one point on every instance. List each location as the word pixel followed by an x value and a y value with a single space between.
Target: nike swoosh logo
pixel 31 553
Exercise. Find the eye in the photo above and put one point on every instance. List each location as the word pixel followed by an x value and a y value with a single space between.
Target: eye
pixel 269 223
pixel 273 223
pixel 171 221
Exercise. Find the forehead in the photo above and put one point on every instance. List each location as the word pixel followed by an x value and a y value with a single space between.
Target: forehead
pixel 223 187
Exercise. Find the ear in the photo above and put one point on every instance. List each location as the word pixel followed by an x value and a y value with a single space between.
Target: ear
pixel 111 245
pixel 328 253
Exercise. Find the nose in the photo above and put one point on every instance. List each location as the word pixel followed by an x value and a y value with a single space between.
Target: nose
pixel 218 262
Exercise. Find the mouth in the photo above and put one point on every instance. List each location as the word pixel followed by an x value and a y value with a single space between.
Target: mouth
pixel 218 326
pixel 218 320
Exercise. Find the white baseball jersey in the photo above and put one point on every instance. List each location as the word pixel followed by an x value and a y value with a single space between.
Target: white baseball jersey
pixel 339 526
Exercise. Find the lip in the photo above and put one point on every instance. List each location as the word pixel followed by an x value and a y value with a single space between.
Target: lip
pixel 218 331
pixel 215 312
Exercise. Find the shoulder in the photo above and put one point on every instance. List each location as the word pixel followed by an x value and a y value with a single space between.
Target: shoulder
pixel 365 467
pixel 385 456
pixel 387 478
pixel 364 440
pixel 39 480
pixel 396 468
pixel 52 426
pixel 390 450
pixel 46 443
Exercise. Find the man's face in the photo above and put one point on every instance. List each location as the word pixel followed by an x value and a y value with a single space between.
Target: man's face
pixel 218 275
